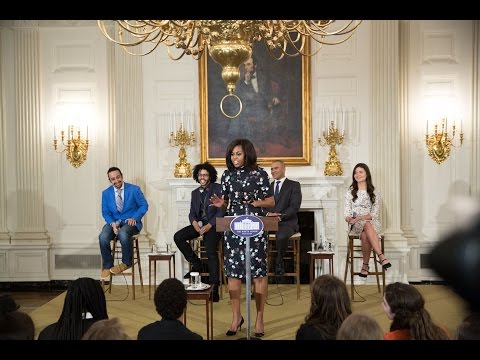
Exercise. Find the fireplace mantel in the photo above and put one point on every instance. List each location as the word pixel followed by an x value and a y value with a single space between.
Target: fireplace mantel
pixel 320 195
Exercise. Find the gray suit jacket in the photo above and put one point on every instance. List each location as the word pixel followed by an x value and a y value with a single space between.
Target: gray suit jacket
pixel 289 201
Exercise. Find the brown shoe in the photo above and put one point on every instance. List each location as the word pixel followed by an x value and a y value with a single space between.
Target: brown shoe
pixel 117 269
pixel 105 274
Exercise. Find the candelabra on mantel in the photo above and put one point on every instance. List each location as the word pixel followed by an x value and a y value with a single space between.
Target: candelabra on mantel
pixel 75 148
pixel 439 143
pixel 182 137
pixel 333 166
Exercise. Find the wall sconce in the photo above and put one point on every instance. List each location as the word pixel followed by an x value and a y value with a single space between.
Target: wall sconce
pixel 439 143
pixel 75 148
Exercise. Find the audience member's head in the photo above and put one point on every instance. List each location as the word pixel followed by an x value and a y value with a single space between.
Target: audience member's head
pixel 360 327
pixel 84 299
pixel 330 305
pixel 469 329
pixel 405 306
pixel 108 329
pixel 14 324
pixel 170 299
pixel 456 258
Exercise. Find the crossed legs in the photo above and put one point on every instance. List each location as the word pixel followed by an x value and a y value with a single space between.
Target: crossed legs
pixel 370 240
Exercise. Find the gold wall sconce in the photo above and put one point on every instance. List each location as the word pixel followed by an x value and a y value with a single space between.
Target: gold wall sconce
pixel 439 143
pixel 181 137
pixel 74 146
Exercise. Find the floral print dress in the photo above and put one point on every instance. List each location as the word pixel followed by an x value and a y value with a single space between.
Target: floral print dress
pixel 240 185
pixel 363 206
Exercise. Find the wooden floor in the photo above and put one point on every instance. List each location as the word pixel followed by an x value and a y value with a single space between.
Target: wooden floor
pixel 32 300
pixel 283 312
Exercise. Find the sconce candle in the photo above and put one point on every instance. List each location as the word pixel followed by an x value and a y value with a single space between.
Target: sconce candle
pixel 75 148
pixel 439 143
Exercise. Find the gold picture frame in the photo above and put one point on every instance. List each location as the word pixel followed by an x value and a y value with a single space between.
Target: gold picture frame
pixel 284 133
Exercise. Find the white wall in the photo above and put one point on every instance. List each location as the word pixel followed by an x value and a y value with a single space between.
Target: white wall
pixel 75 67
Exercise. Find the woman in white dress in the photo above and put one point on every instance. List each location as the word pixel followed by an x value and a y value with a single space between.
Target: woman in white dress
pixel 362 212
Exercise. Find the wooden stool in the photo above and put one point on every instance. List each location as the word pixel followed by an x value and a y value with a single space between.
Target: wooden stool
pixel 201 251
pixel 352 248
pixel 320 256
pixel 117 253
pixel 293 249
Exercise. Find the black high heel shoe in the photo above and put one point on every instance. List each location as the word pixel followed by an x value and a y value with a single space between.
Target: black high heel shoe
pixel 239 327
pixel 259 334
pixel 385 263
pixel 364 271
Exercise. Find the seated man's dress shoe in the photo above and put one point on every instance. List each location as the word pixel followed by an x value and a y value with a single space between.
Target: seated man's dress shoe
pixel 279 268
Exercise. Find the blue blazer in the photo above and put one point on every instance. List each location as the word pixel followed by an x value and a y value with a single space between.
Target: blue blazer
pixel 212 211
pixel 135 205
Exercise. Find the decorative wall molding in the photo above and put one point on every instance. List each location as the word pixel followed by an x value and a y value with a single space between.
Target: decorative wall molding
pixel 438 47
pixel 74 57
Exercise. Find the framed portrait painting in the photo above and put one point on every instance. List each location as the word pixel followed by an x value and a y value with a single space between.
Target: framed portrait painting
pixel 275 113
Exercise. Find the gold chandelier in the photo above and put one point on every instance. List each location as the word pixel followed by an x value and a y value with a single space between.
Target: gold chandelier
pixel 228 42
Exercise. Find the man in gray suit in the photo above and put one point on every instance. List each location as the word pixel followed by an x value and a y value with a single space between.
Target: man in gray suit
pixel 288 198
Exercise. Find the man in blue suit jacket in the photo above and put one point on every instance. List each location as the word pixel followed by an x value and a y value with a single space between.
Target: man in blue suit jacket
pixel 123 207
pixel 287 205
pixel 203 219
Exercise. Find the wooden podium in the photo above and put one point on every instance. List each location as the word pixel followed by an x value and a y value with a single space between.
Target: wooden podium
pixel 270 223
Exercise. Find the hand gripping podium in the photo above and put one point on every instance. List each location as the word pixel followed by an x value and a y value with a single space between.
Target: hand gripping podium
pixel 268 224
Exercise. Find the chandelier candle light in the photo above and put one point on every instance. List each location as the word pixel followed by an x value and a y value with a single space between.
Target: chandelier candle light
pixel 75 147
pixel 439 143
pixel 228 42
pixel 333 136
pixel 182 137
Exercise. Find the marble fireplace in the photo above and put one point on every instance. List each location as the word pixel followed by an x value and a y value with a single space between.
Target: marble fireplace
pixel 323 196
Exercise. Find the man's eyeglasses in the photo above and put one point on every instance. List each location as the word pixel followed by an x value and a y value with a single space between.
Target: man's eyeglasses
pixel 203 175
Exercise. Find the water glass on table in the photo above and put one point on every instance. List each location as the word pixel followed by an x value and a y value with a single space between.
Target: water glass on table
pixel 195 280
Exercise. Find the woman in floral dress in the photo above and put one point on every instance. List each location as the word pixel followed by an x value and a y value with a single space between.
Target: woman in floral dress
pixel 362 213
pixel 245 184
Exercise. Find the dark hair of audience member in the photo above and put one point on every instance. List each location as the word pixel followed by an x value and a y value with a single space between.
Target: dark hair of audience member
pixel 107 329
pixel 469 328
pixel 330 305
pixel 408 306
pixel 170 299
pixel 83 295
pixel 14 324
pixel 360 327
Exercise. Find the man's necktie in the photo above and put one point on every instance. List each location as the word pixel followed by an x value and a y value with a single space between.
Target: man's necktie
pixel 277 189
pixel 119 200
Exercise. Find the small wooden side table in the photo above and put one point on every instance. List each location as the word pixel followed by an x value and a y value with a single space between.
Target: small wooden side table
pixel 314 256
pixel 153 258
pixel 202 295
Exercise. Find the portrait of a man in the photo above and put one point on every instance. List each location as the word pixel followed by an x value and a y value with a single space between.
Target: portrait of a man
pixel 275 114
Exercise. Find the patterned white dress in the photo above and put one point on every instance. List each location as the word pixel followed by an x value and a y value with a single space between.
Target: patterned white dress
pixel 363 206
